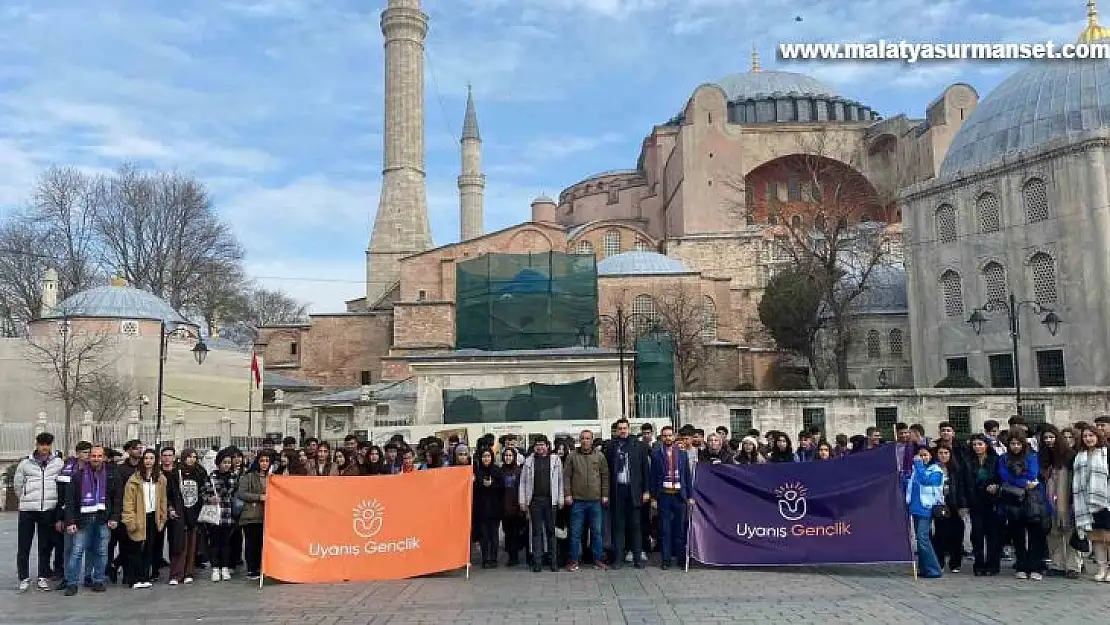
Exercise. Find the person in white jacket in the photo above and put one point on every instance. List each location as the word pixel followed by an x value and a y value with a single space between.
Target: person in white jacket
pixel 35 483
pixel 540 493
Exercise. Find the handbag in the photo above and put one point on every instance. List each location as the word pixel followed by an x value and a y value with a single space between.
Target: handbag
pixel 210 514
pixel 561 533
pixel 1082 545
pixel 941 511
pixel 1015 494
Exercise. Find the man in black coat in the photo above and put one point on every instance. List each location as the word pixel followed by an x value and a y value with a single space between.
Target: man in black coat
pixel 629 473
pixel 92 510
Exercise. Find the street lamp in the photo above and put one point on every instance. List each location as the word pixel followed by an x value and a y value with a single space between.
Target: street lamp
pixel 1051 321
pixel 200 351
pixel 621 323
pixel 143 401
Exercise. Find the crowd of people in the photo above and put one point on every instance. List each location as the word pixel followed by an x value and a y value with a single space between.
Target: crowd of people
pixel 102 515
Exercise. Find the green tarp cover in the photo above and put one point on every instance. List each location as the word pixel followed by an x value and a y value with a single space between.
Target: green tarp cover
pixel 574 401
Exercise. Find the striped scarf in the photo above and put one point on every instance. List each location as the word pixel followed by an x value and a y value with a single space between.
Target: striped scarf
pixel 1090 490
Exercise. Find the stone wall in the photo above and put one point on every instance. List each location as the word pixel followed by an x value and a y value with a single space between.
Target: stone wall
pixel 424 324
pixel 852 412
pixel 334 350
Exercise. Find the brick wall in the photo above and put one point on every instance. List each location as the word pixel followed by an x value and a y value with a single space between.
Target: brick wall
pixel 334 350
pixel 423 324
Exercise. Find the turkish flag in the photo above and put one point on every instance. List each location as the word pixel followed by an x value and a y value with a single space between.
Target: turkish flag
pixel 256 371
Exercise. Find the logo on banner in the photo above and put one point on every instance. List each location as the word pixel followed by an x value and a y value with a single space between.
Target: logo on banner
pixel 367 522
pixel 792 500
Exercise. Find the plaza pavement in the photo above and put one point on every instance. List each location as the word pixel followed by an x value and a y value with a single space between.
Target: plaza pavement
pixel 873 594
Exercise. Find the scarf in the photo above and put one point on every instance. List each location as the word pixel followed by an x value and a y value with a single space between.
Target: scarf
pixel 1090 492
pixel 94 490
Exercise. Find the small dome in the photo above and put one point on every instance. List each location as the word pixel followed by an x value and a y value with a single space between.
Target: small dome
pixel 885 293
pixel 118 302
pixel 543 199
pixel 761 84
pixel 640 264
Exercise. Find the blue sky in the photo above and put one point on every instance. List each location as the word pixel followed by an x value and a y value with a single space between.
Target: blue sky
pixel 277 104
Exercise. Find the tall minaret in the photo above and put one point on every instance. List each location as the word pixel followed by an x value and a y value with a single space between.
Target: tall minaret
pixel 49 292
pixel 401 224
pixel 472 182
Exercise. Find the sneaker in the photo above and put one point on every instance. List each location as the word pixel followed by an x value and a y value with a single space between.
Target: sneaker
pixel 71 590
pixel 225 573
pixel 572 567
pixel 24 585
pixel 139 585
pixel 187 580
pixel 43 584
pixel 628 558
pixel 215 575
pixel 1020 575
pixel 643 556
pixel 254 577
pixel 173 582
pixel 1036 577
pixel 956 570
pixel 99 588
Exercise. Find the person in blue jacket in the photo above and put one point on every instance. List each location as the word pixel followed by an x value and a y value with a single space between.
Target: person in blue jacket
pixel 925 490
pixel 672 491
pixel 1019 471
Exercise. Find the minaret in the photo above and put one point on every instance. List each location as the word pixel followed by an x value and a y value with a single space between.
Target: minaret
pixel 49 292
pixel 472 182
pixel 401 224
pixel 755 58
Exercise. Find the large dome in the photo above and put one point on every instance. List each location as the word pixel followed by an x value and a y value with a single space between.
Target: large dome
pixel 118 302
pixel 640 264
pixel 762 84
pixel 1045 101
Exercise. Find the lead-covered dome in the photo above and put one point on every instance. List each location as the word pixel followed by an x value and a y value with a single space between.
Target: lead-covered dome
pixel 1045 101
pixel 762 84
pixel 117 302
pixel 640 264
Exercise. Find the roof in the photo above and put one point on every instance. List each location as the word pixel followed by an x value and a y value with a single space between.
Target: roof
pixel 1040 103
pixel 762 84
pixel 470 119
pixel 273 381
pixel 405 389
pixel 885 292
pixel 640 264
pixel 118 302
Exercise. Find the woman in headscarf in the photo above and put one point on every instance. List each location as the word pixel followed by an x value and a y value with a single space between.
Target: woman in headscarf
pixel 489 502
pixel 513 523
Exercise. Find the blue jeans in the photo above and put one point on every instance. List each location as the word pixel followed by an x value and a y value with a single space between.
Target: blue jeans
pixel 927 563
pixel 672 527
pixel 578 512
pixel 90 540
pixel 67 542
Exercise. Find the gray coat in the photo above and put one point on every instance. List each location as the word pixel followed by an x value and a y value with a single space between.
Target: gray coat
pixel 36 483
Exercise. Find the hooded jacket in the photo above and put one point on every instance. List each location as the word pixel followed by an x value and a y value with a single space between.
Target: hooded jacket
pixel 36 482
pixel 184 489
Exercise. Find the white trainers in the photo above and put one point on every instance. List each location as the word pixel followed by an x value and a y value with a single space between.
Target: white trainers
pixel 1036 577
pixel 1021 575
pixel 43 584
pixel 139 585
pixel 628 558
pixel 187 580
pixel 215 574
pixel 225 573
pixel 173 582
pixel 24 585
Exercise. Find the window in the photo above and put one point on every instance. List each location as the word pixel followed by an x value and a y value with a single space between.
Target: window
pixel 813 418
pixel 772 191
pixel 815 191
pixel 1035 196
pixel 749 196
pixel 585 247
pixel 819 223
pixel 987 207
pixel 708 319
pixel 642 246
pixel 364 378
pixel 1050 368
pixel 952 292
pixel 292 348
pixel 739 421
pixel 1002 370
pixel 643 314
pixel 421 295
pixel 957 367
pixel 611 245
pixel 381 410
pixel 874 349
pixel 796 222
pixel 960 418
pixel 793 188
pixel 885 419
pixel 994 277
pixel 1044 277
pixel 773 220
pixel 1034 413
pixel 946 223
pixel 897 343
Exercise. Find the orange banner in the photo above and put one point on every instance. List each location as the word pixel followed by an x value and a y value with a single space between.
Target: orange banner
pixel 338 529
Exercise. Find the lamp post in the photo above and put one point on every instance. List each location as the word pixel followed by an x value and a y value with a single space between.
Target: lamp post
pixel 200 352
pixel 143 401
pixel 1051 321
pixel 621 323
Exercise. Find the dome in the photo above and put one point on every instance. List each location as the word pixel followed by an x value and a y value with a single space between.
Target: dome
pixel 640 264
pixel 543 199
pixel 118 302
pixel 885 293
pixel 761 84
pixel 1045 101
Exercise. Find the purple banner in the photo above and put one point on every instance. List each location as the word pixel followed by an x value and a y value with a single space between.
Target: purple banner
pixel 843 511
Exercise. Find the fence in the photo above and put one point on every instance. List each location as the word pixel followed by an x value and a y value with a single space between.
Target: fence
pixel 657 405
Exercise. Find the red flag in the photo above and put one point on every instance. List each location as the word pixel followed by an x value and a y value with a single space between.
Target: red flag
pixel 256 371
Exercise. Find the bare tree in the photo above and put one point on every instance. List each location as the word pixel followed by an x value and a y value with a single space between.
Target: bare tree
pixel 108 397
pixel 272 307
pixel 75 359
pixel 160 231
pixel 22 267
pixel 683 314
pixel 64 209
pixel 224 298
pixel 827 219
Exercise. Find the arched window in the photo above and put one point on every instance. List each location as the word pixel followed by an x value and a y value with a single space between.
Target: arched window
pixel 644 315
pixel 819 223
pixel 1044 277
pixel 773 220
pixel 611 244
pixel 946 223
pixel 642 246
pixel 585 247
pixel 708 319
pixel 874 347
pixel 1035 196
pixel 994 277
pixel 952 291
pixel 897 343
pixel 796 222
pixel 988 209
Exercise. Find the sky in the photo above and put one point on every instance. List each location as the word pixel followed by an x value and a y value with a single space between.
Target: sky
pixel 276 105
